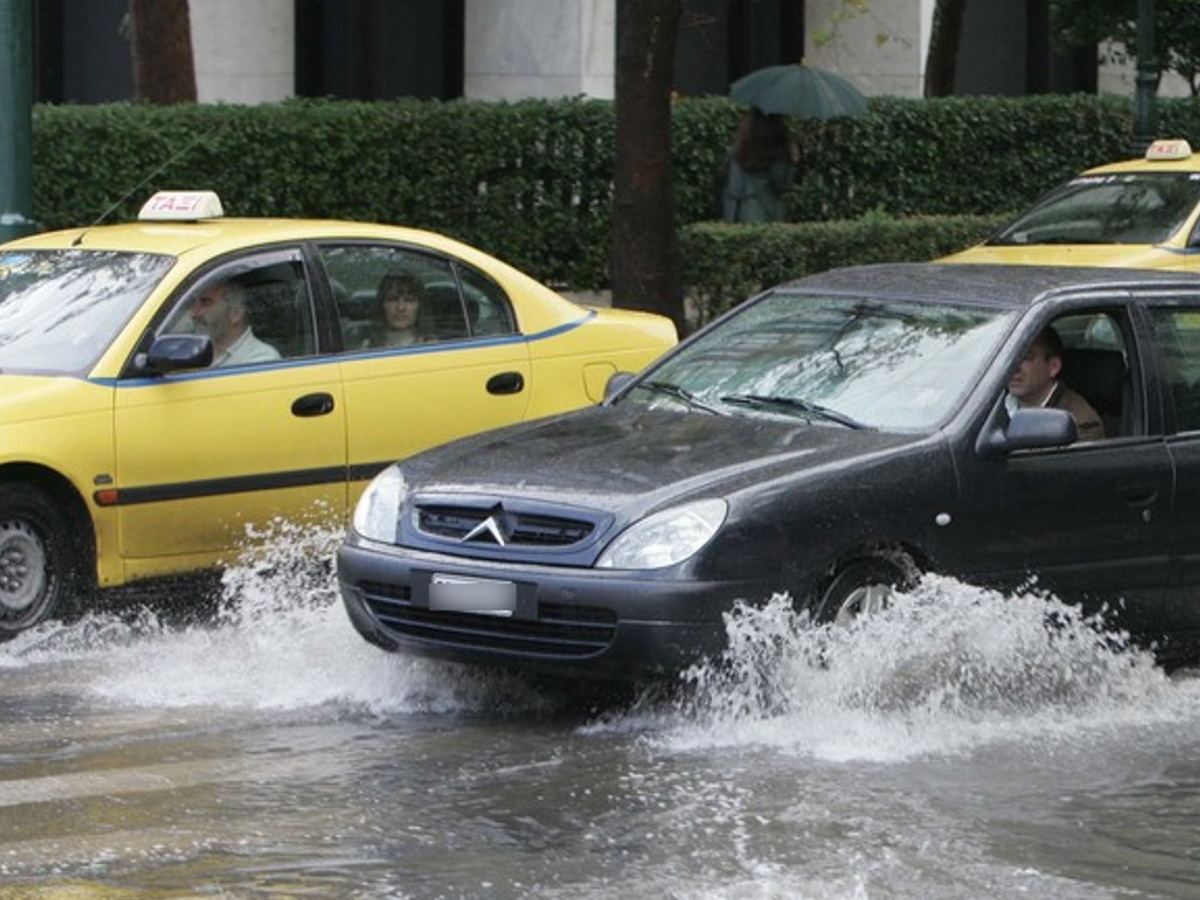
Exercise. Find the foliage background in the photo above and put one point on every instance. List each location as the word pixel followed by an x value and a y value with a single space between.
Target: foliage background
pixel 531 181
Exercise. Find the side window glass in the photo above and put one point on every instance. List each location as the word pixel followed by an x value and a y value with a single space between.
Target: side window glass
pixel 1178 333
pixel 487 305
pixel 1080 363
pixel 1091 330
pixel 253 311
pixel 1096 367
pixel 390 296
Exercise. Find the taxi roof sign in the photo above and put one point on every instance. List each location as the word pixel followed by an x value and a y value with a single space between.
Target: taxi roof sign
pixel 1169 149
pixel 181 206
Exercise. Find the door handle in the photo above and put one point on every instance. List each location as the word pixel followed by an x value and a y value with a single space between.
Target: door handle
pixel 318 404
pixel 1140 495
pixel 506 383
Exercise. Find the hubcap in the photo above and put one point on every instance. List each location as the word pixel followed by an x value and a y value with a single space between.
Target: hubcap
pixel 863 600
pixel 22 567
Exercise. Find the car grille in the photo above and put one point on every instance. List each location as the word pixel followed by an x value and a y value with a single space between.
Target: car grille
pixel 559 631
pixel 521 529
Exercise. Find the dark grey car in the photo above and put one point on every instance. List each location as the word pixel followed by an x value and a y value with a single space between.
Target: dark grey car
pixel 830 439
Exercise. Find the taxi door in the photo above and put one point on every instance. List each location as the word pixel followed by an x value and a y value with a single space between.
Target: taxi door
pixel 460 368
pixel 209 458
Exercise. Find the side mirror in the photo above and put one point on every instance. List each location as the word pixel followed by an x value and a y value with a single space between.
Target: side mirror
pixel 616 383
pixel 172 352
pixel 1027 429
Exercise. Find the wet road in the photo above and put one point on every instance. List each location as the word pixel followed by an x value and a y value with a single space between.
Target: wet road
pixel 951 749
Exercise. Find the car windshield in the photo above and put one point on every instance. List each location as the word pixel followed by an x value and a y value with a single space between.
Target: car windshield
pixel 839 361
pixel 1127 208
pixel 60 309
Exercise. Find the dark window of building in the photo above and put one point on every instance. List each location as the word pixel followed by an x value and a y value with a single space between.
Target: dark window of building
pixel 721 40
pixel 1006 49
pixel 379 49
pixel 81 51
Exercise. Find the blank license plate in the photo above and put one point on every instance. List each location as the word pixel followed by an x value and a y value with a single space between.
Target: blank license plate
pixel 453 593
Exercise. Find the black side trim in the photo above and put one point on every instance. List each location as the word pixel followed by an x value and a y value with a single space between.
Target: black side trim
pixel 366 471
pixel 156 493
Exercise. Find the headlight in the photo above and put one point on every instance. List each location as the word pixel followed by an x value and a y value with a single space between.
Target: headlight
pixel 666 537
pixel 378 512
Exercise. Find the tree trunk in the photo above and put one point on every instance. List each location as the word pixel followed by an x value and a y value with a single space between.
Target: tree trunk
pixel 944 36
pixel 164 71
pixel 645 260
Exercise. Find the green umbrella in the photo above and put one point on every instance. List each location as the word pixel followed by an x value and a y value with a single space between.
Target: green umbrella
pixel 798 90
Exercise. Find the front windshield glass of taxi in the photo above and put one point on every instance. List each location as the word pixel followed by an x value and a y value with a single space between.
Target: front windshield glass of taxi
pixel 1125 208
pixel 841 362
pixel 60 309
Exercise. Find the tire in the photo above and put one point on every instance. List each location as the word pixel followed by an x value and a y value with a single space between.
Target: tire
pixel 864 586
pixel 40 564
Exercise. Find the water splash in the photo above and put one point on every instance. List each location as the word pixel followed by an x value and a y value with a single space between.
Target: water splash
pixel 279 640
pixel 946 667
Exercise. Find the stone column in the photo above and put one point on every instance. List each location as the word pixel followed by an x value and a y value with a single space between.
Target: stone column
pixel 245 52
pixel 517 49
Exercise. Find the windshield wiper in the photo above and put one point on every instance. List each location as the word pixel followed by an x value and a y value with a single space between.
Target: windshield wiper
pixel 680 393
pixel 793 404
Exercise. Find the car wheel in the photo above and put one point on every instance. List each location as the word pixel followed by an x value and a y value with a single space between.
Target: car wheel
pixel 864 586
pixel 39 565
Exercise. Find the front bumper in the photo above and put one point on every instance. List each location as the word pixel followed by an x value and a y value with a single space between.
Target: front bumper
pixel 597 623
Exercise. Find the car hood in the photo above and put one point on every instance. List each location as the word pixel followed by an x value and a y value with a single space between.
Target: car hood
pixel 615 458
pixel 26 398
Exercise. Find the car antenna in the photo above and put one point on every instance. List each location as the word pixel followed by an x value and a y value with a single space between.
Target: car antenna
pixel 137 187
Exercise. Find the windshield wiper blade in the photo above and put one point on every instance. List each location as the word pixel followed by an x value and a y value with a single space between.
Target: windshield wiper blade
pixel 680 393
pixel 795 404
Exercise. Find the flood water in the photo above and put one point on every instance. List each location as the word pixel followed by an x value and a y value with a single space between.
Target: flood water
pixel 954 747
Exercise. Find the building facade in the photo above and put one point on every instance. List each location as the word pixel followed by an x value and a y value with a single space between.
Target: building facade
pixel 270 50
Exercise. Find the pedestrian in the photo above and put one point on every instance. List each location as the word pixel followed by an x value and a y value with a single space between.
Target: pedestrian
pixel 760 167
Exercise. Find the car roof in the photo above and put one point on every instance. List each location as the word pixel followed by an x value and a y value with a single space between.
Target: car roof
pixel 179 238
pixel 1185 164
pixel 989 284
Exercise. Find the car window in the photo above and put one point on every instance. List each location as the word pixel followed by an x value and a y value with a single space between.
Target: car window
pixel 1101 330
pixel 1178 333
pixel 1096 365
pixel 487 304
pixel 60 309
pixel 1124 208
pixel 391 296
pixel 254 310
pixel 452 300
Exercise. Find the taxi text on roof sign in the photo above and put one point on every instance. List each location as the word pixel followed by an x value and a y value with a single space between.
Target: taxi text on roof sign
pixel 1168 149
pixel 181 206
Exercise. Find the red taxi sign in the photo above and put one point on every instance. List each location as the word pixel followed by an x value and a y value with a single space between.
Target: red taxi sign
pixel 181 206
pixel 1169 149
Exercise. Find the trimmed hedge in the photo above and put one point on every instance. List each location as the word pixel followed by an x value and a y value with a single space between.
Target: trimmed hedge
pixel 531 181
pixel 725 264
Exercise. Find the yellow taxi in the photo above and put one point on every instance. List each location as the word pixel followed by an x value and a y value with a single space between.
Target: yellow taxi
pixel 171 385
pixel 1141 213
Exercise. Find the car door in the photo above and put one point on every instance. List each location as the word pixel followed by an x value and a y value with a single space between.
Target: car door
pixel 467 371
pixel 1176 323
pixel 1091 521
pixel 206 456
